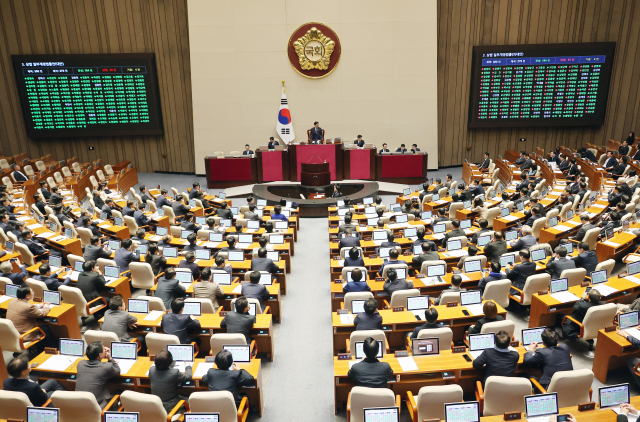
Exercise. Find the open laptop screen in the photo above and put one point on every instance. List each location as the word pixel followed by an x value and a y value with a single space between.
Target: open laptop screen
pixel 481 341
pixel 538 255
pixel 138 306
pixel 39 414
pixel 614 395
pixel 507 259
pixel 472 265
pixel 559 285
pixel 382 414
pixel 462 412
pixel 436 270
pixel 124 350
pixel 628 319
pixel 416 303
pixel 181 352
pixel 240 353
pixel 222 279
pixel 51 297
pixel 470 298
pixel 541 405
pixel 201 417
pixel 532 335
pixel 71 347
pixel 425 346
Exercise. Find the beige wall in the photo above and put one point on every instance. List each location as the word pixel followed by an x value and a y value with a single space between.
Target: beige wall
pixel 385 86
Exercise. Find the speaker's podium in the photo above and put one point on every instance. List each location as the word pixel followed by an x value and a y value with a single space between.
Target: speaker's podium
pixel 315 174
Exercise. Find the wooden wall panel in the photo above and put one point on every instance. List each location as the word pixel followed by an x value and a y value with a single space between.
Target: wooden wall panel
pixel 103 26
pixel 463 24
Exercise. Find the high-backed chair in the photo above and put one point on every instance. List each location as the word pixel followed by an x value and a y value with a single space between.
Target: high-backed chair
pixel 399 298
pixel 103 262
pixel 396 266
pixel 497 326
pixel 591 237
pixel 444 336
pixel 454 207
pixel 73 296
pixel 12 341
pixel 3 282
pixel 448 297
pixel 606 265
pixel 155 303
pixel 344 251
pixel 106 337
pixel 596 319
pixel 221 402
pixel 80 406
pixel 168 212
pixel 431 400
pixel 498 291
pixel 425 264
pixel 361 335
pixel 538 225
pixel 572 386
pixel 148 406
pixel 157 342
pixel 361 398
pixel 494 212
pixel 502 394
pixel 575 276
pixel 259 310
pixel 221 339
pixel 37 286
pixel 351 296
pixel 533 284
pixel 13 405
pixel 206 305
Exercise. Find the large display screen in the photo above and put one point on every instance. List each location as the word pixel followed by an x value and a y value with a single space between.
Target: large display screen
pixel 71 95
pixel 540 85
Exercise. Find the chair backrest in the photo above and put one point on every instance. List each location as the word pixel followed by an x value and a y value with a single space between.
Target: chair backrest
pixel 13 405
pixel 533 285
pixel 37 286
pixel 220 339
pixel 175 191
pixel 552 213
pixel 493 213
pixel 544 246
pixel 66 172
pixel 454 207
pixel 84 235
pixel 36 210
pixel 444 336
pixel 597 318
pixel 131 224
pixel 591 237
pixel 399 298
pixel 141 275
pixel 206 305
pixel 575 276
pixel 109 169
pixel 100 175
pixel 498 291
pixel 155 303
pixel 448 297
pixel 496 326
pixel 40 165
pixel 3 282
pixel 176 231
pixel 606 265
pixel 572 386
pixel 28 170
pixel 158 341
pixel 364 397
pixel 75 166
pixel 538 225
pixel 25 253
pixel 102 262
pixel 73 296
pixel 425 264
pixel 215 401
pixel 505 394
pixel 149 406
pixel 251 300
pixel 565 208
pixel 77 406
pixel 351 296
pixel 386 267
pixel 168 212
pixel 106 337
pixel 9 337
pixel 431 400
pixel 363 334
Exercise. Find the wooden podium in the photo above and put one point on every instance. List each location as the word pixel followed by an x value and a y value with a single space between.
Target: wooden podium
pixel 315 174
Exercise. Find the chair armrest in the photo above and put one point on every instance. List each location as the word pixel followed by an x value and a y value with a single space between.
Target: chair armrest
pixel 236 280
pixel 33 330
pixel 568 317
pixel 635 369
pixel 135 340
pixel 521 295
pixel 480 395
pixel 537 385
pixel 590 393
pixel 176 408
pixel 386 304
pixel 387 347
pixel 112 402
pixel 242 412
pixel 266 310
pixel 348 345
pixel 48 402
pixel 408 343
pixel 100 298
pixel 349 407
pixel 398 403
pixel 254 348
pixel 155 279
pixel 341 305
pixel 411 405
pixel 195 346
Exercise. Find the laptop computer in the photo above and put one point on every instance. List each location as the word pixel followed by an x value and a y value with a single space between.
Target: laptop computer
pixel 417 249
pixel 569 247
pixel 280 225
pixel 357 306
pixel 613 395
pixel 402 218
pixel 43 414
pixel 435 197
pixel 161 231
pixel 553 221
pixel 538 255
pixel 184 277
pixel 410 232
pixel 125 354
pixel 234 210
pixel 520 205
pixel 55 262
pixel 139 306
pixel 185 233
pixel 261 202
pixel 439 228
pixel 252 308
pixel 452 191
pixel 462 412
pixel 51 297
pixel 226 222
pixel 240 353
pixel 370 210
pixel 181 352
pixel 9 246
pixel 472 300
pixel 484 240
pixel 71 347
pixel 559 285
pixel 382 414
pixel 69 233
pixel 401 273
pixel 532 335
pixel 379 235
pixel 633 268
pixel 235 256
pixel 511 235
pixel 342 212
pixel 114 244
pixel 465 224
pixel 417 305
pixel 223 279
pixel 479 342
pixel 169 252
pixel 570 214
pixel 201 221
pixel 273 255
pixel 425 346
pixel 142 250
pixel 245 238
pixel 368 200
pixel 373 221
pixel 466 204
pixel 276 239
pixel 111 272
pixel 426 215
pixel 454 245
pixel 628 320
pixel 395 207
pixel 203 254
pixel 215 237
pixel 406 191
pixel 504 211
pixel 436 271
pixel 253 224
pixel 598 277
pixel 540 406
pixel 192 308
pixel 472 265
pixel 266 279
pixel 201 417
pixel 507 259
pixel 360 350
pixel 222 195
pixel 384 252
pixel 117 221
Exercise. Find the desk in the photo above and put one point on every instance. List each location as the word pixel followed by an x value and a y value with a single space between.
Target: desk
pixel 612 352
pixel 66 246
pixel 136 378
pixel 360 164
pixel 616 247
pixel 123 182
pixel 228 172
pixel 315 153
pixel 406 168
pixel 272 165
pixel 62 319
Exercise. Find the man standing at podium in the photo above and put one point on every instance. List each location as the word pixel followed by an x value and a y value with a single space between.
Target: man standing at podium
pixel 316 133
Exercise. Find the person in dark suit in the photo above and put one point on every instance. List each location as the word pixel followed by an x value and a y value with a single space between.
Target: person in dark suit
pixel 428 254
pixel 94 375
pixel 93 251
pixel 188 224
pixel 456 281
pixel 165 380
pixel 392 284
pixel 224 211
pixel 391 241
pixel 570 330
pixel 611 162
pixel 19 381
pixel 525 242
pixel 485 162
pixel 251 215
pixel 227 376
pixel 6 270
pixel 40 204
pixel 348 240
pixel 168 288
pixel 518 274
pixel 143 192
pixel 414 148
pixel 586 226
pixel 57 198
pixel 128 209
pixel 163 199
pixel 106 208
pixel 124 256
pixel 239 321
pixel 494 249
pixel 262 263
pixel 354 259
pixel 615 196
pixel 616 215
pixel 316 133
pixel 559 262
pixel 45 191
pixel 586 259
pixel 370 372
pixel 57 211
pixel 141 219
pixel 499 361
pixel 420 233
pixel 589 156
pixel 359 141
pixel 193 193
pixel 370 319
pixel 34 246
pixel 494 274
pixel 255 290
pixel 624 148
pixel 563 164
pixel 402 149
pixel 189 262
pixel 431 321
pixel 247 150
pixel 455 231
pixel 527 164
pixel 441 218
pixel 383 149
pixel 192 245
pixel 179 208
pixel 155 259
pixel 49 279
pixel 484 229
pixel 620 168
pixel 18 175
pixel 536 213
pixel 272 143
pixel 356 284
pixel 91 281
pixel 85 223
pixel 393 259
pixel 550 359
pixel 490 315
pixel 573 170
pixel 231 242
pixel 524 183
pixel 179 325
pixel 347 225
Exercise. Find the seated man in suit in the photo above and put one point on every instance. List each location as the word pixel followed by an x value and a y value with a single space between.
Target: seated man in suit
pixel 370 319
pixel 143 192
pixel 254 290
pixel 57 198
pixel 44 188
pixel 615 196
pixel 354 259
pixel 108 206
pixel 195 189
pixel 192 245
pixel 393 259
pixel 586 226
pixel 428 254
pixel 359 141
pixel 50 279
pixel 586 259
pixel 455 231
pixel 40 204
pixel 559 262
pixel 124 256
pixel 525 242
pixel 456 281
pixel 317 134
pixel 142 220
pixel 128 209
pixel 117 320
pixel 19 381
pixel 262 263
pixel 227 376
pixel 163 199
pixel 518 274
pixel 168 288
pixel 499 360
pixel 484 229
pixel 189 262
pixel 239 321
pixel 93 251
pixel 57 210
pixel 431 321
pixel 90 282
pixel 383 149
pixel 347 225
pixel 392 284
pixel 165 380
pixel 348 240
pixel 224 211
pixel 180 325
pixel 391 241
pixel 551 358
pixel 414 148
pixel 94 374
pixel 222 265
pixel 205 289
pixel 247 150
pixel 485 162
pixel 570 330
pixel 39 252
pixel 272 143
pixel 179 208
pixel 85 223
pixel 521 158
pixel 402 149
pixel 620 168
pixel 188 224
pixel 526 165
pixel 231 242
pixel 616 215
pixel 476 189
pixel 18 175
pixel 420 233
pixel 536 213
pixel 624 148
pixel 356 284
pixel 370 372
pixel 24 315
pixel 6 270
pixel 441 216
pixel 611 162
pixel 251 214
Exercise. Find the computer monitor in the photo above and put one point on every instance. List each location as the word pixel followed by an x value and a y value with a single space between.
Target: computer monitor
pixel 466 204
pixel 139 306
pixel 51 297
pixel 598 277
pixel 357 306
pixel 426 215
pixel 373 221
pixel 43 414
pixel 342 212
pixel 124 350
pixel 410 232
pixel 472 265
pixel 570 214
pixel 226 222
pixel 181 352
pixel 360 350
pixel 235 256
pixel 511 235
pixel 169 252
pixel 553 221
pixel 504 211
pixel 240 353
pixel 559 285
pixel 252 308
pixel 261 202
pixel 382 414
pixel 454 245
pixel 484 240
pixel 234 210
pixel 384 252
pixel 280 225
pixel 9 245
pixel 633 268
pixel 402 218
pixel 215 237
pixel 507 259
pixel 380 235
pixel 161 231
pixel 276 239
pixel 114 244
pixel 541 405
pixel 368 200
pixel 192 308
pixel 417 249
pixel 569 247
pixel 103 216
pixel 245 238
pixel 395 207
pixel 435 197
pixel 468 411
pixel 340 203
pixel 201 417
pixel 185 233
pixel 481 341
pixel 78 266
pixel 266 279
pixel 223 279
pixel 538 255
pixel 185 277
pixel 111 271
pixel 160 212
pixel 465 224
pixel 204 254
pixel 532 335
pixel 406 191
pixel 142 249
pixel 401 273
pixel 201 221
pixel 71 347
pixel 68 233
pixel 117 221
pixel 222 195
pixel 55 261
pixel 436 270
pixel 628 319
pixel 417 303
pixel 425 346
pixel 452 191
pixel 439 228
pixel 520 205
pixel 472 297
pixel 614 395
pixel 273 255
pixel 253 224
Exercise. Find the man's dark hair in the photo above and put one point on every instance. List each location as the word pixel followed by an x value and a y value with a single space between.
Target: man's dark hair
pixel 473 250
pixel 18 365
pixel 126 243
pixel 224 359
pixel 142 188
pixel 115 302
pixel 205 274
pixel 456 280
pixel 262 241
pixel 549 337
pixel 370 306
pixel 393 254
pixel 347 219
pixel 277 209
pixel 23 292
pixel 483 223
pixel 179 197
pixel 594 296
pixel 356 274
pixel 426 247
pixel 268 227
pixel 391 274
pixel 525 254
pixel 241 304
pixel 502 339
pixel 140 233
pixel 190 256
pixel 192 238
pixel 219 260
pixel 391 237
pixel 562 251
pixel 584 246
pixel 271 138
pixel 163 360
pixel 262 253
pixel 177 305
pixel 496 267
pixel 584 217
pixel 420 232
pixel 371 347
pixel 431 315
pixel 44 268
pixel 354 252
pixel 254 277
pixel 252 207
pixel 94 350
pixel 94 239
pixel 455 223
pixel 231 240
pixel 169 273
pixel 89 265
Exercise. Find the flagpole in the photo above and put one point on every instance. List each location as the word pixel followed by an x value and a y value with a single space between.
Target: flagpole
pixel 283 86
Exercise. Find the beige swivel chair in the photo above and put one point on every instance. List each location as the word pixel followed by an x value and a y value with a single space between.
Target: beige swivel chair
pixel 109 170
pixel 80 406
pixel 494 212
pixel 131 224
pixel 431 400
pixel 168 212
pixel 399 298
pixel 3 282
pixel 444 336
pixel 206 305
pixel 361 398
pixel 498 291
pixel 606 265
pixel 149 407
pixel 533 285
pixel 502 394
pixel 538 225
pixel 572 386
pixel 575 276
pixel 448 297
pixel 221 339
pixel 454 207
pixel 221 402
pixel 157 342
pixel 25 253
pixel 425 264
pixel 345 270
pixel 396 266
pixel 103 262
pixel 100 175
pixel 13 405
pixel 40 165
pixel 106 337
pixel 155 303
pixel 596 319
pixel 73 296
pixel 12 341
pixel 497 326
pixel 591 237
pixel 37 286
pixel 176 231
pixel 351 296
pixel 36 211
pixel 73 258
pixel 357 336
pixel 259 310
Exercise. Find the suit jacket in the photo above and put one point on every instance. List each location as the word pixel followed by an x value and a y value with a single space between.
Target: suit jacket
pixel 195 269
pixel 52 282
pixel 208 290
pixel 525 242
pixel 56 198
pixel 157 263
pixel 223 380
pixel 371 373
pixel 32 389
pixel 425 326
pixel 271 145
pixel 162 201
pixel 164 384
pixel 356 286
pixel 402 150
pixel 425 256
pixel 476 235
pixel 383 150
pixel 587 260
pixel 179 209
pixel 24 315
pixel 365 321
pixel 349 241
pixel 128 211
pixel 484 164
pixel 94 376
pixel 610 162
pixel 619 169
pixel 280 217
pixel 358 262
pixel 35 248
pixel 123 258
pixel 399 261
pixel 533 219
pixel 168 290
pixel 497 362
pixel 255 291
pixel 550 360
pixel 40 205
pixel 477 191
pixel 141 219
pixel 316 133
pixel 90 284
pixel 488 279
pixel 107 209
pixel 395 285
pixel 245 152
pixel 226 214
pixel 360 143
pixel 94 230
pixel 251 216
pixel 93 252
pixel 17 278
pixel 556 266
pixel 520 272
pixel 118 322
pixel 623 150
pixel 20 176
pixel 453 233
pixel 180 325
pixel 263 264
pixel 563 165
pixel 236 322
pixel 526 165
pixel 493 250
pixel 583 231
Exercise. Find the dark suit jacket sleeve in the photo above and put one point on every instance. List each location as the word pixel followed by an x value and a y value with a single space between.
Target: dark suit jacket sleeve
pixel 186 377
pixel 245 379
pixel 193 325
pixel 480 361
pixel 265 294
pixel 179 290
pixel 634 342
pixel 100 281
pixel 533 359
pixel 37 396
pixel 223 324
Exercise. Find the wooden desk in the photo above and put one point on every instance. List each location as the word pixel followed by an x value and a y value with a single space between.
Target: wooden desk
pixel 62 319
pixel 136 378
pixel 612 352
pixel 552 236
pixel 66 246
pixel 623 243
pixel 123 182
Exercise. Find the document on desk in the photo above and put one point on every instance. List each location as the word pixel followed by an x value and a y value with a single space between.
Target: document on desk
pixel 346 319
pixel 564 297
pixel 202 369
pixel 438 236
pixel 475 309
pixel 104 225
pixel 238 288
pixel 510 218
pixel 46 235
pixel 633 279
pixel 476 353
pixel 125 365
pixel 430 281
pixel 5 298
pixel 458 253
pixel 440 201
pixel 58 238
pixel 23 218
pixel 73 275
pixel 153 315
pixel 630 418
pixel 34 226
pixel 58 363
pixel 633 332
pixel 605 290
pixel 598 206
pixel 562 228
pixel 408 364
pixel 610 243
pixel 242 245
pixel 378 242
pixel 155 238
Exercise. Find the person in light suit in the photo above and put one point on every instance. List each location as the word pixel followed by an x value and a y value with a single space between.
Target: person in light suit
pixel 316 133
pixel 525 242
